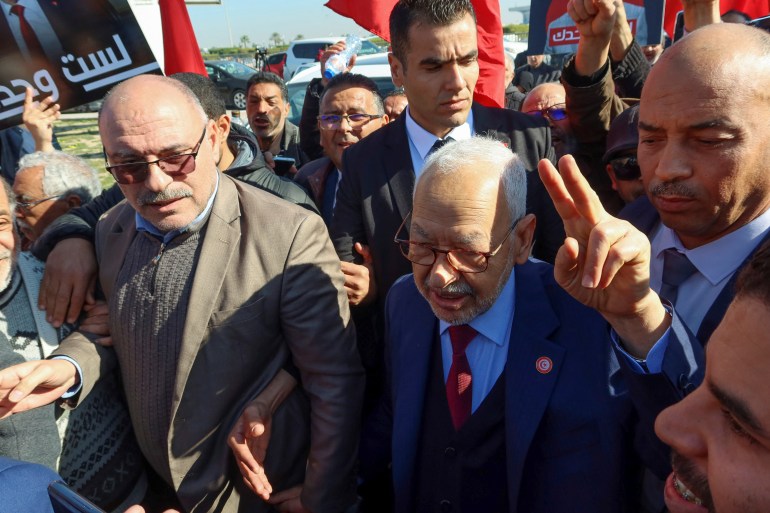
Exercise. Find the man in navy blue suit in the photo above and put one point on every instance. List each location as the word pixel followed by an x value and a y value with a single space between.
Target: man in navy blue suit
pixel 505 393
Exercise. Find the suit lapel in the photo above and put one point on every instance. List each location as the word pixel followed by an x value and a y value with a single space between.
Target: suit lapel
pixel 398 167
pixel 219 245
pixel 116 239
pixel 411 361
pixel 528 389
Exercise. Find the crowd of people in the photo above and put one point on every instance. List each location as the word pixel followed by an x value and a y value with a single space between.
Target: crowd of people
pixel 409 303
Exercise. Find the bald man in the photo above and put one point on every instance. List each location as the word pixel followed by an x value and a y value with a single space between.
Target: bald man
pixel 703 157
pixel 197 339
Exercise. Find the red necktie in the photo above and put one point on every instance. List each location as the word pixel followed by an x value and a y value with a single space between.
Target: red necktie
pixel 459 384
pixel 33 43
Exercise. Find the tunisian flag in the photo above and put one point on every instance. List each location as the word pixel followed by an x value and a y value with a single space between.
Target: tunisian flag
pixel 180 48
pixel 373 15
pixel 754 8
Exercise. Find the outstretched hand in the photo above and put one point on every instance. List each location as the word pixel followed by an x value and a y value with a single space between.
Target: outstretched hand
pixel 604 262
pixel 249 440
pixel 32 384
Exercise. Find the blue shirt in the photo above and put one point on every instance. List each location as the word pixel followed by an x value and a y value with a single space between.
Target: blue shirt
pixel 488 351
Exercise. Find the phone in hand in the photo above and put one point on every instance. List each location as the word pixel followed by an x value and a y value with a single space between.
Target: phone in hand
pixel 66 500
pixel 283 165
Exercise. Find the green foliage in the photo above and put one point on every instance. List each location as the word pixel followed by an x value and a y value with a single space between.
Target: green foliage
pixel 516 28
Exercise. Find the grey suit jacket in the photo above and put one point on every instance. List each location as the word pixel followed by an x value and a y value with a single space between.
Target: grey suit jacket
pixel 267 289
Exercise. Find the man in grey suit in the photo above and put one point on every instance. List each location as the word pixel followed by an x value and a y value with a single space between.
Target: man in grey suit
pixel 214 287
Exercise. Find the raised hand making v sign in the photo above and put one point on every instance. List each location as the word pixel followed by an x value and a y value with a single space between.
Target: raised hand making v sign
pixel 604 262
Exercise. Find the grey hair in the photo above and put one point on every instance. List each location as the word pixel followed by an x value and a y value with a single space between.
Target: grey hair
pixel 482 152
pixel 63 174
pixel 11 197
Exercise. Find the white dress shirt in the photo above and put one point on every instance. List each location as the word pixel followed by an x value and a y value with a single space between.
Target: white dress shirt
pixel 421 141
pixel 40 25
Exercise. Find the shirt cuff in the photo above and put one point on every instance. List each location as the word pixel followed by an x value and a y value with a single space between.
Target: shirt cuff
pixel 654 362
pixel 74 389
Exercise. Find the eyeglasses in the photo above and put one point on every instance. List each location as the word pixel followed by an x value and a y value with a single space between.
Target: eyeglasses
pixel 556 112
pixel 626 168
pixel 174 165
pixel 463 260
pixel 334 121
pixel 26 206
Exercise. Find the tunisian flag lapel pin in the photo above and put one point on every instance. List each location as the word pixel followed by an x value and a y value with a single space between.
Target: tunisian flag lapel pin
pixel 544 365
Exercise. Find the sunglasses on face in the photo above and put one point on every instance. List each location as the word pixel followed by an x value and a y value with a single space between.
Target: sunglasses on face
pixel 174 165
pixel 626 168
pixel 556 112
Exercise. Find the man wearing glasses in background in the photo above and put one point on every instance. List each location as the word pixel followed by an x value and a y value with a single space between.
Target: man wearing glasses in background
pixel 214 287
pixel 572 136
pixel 48 185
pixel 350 109
pixel 620 157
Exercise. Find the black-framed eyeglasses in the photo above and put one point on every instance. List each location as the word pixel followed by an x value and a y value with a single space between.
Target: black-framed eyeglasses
pixel 626 168
pixel 26 206
pixel 174 165
pixel 355 120
pixel 556 112
pixel 463 260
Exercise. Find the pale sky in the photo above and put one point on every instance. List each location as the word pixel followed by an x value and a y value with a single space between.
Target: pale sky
pixel 258 19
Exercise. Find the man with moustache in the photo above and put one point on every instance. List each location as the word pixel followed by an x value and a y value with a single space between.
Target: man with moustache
pixel 703 154
pixel 719 433
pixel 267 106
pixel 195 338
pixel 505 393
pixel 350 109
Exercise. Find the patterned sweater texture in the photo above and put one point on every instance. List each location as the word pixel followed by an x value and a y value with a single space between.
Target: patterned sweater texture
pixel 93 447
pixel 147 318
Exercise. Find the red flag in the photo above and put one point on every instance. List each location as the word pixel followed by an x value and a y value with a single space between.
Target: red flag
pixel 180 48
pixel 490 90
pixel 754 8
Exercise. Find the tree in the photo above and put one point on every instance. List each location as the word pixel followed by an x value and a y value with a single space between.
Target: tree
pixel 245 41
pixel 276 39
pixel 298 37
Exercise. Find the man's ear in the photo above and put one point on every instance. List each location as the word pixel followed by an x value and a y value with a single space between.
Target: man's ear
pixel 613 179
pixel 396 70
pixel 524 238
pixel 223 126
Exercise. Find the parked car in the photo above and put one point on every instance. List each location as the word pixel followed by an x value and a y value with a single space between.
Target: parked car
pixel 230 78
pixel 373 66
pixel 275 63
pixel 304 51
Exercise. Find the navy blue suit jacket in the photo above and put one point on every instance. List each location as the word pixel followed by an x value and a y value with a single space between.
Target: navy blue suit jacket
pixel 574 437
pixel 24 486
